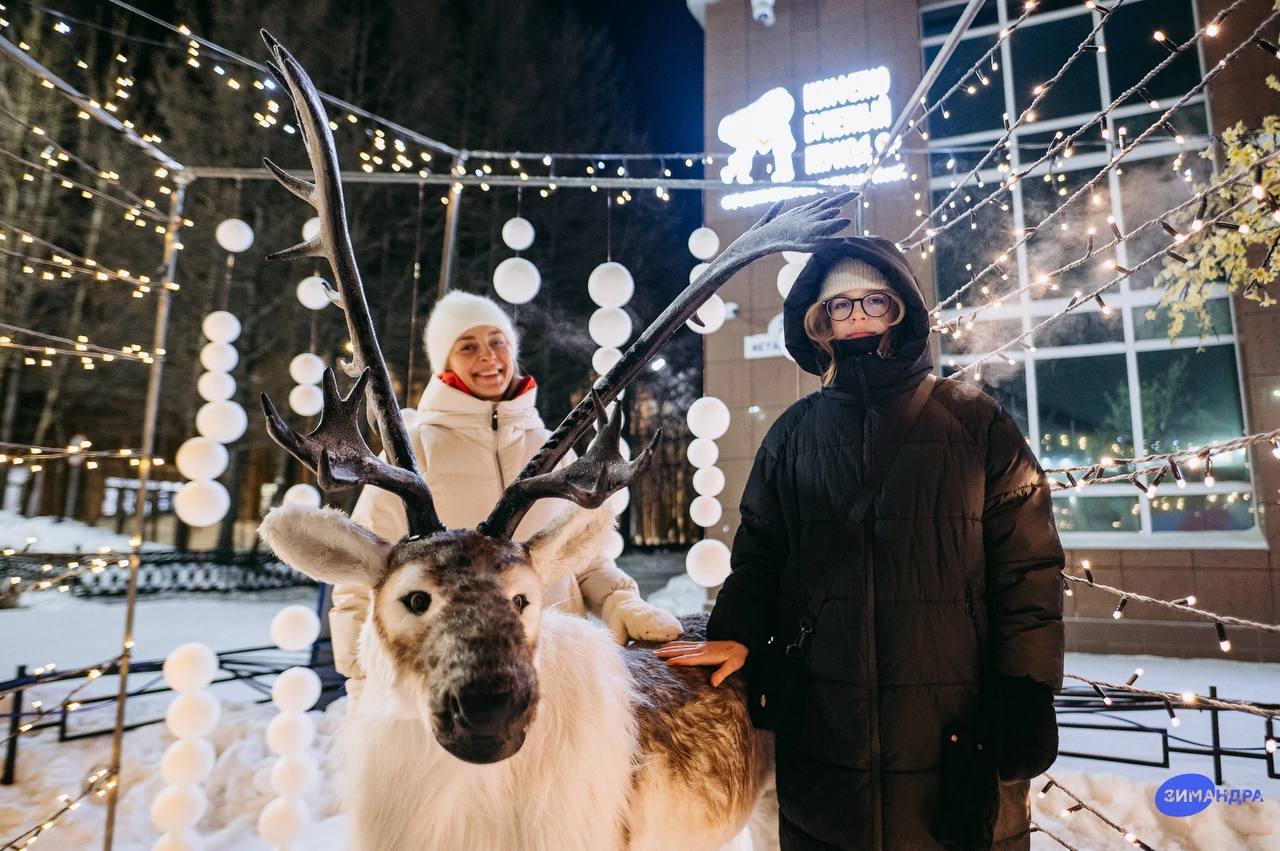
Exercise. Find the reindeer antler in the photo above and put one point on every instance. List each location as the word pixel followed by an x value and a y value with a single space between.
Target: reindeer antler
pixel 804 228
pixel 335 450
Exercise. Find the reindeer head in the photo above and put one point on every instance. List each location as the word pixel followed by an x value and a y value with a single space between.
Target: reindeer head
pixel 458 611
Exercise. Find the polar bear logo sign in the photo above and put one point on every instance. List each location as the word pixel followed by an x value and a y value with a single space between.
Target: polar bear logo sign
pixel 761 127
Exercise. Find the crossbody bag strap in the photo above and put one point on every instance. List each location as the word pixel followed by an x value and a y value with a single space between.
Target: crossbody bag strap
pixel 871 486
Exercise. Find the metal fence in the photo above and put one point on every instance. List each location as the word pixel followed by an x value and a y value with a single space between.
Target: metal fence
pixel 1076 707
pixel 255 667
pixel 160 571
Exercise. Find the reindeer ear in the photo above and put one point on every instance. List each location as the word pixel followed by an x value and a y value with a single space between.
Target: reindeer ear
pixel 571 542
pixel 325 544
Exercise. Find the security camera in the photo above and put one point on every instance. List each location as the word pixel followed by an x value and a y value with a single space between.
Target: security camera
pixel 762 11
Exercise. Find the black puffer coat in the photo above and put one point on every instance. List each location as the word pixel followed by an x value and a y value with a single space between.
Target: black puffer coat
pixel 960 584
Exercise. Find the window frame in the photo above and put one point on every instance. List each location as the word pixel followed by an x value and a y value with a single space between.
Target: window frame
pixel 1124 302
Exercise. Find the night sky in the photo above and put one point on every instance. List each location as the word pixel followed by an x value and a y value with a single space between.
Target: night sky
pixel 661 46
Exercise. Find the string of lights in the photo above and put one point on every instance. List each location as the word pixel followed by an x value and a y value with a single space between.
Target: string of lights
pixel 1028 115
pixel 82 449
pixel 98 783
pixel 909 242
pixel 74 569
pixel 1080 804
pixel 89 107
pixel 68 259
pixel 1186 604
pixel 973 73
pixel 85 190
pixel 1187 699
pixel 80 347
pixel 967 315
pixel 1036 828
pixel 1083 298
pixel 61 153
pixel 40 711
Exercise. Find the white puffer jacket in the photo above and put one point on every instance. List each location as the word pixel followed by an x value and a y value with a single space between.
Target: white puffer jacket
pixel 469 450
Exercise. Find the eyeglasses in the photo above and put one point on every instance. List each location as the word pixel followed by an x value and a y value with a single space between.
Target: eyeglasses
pixel 874 305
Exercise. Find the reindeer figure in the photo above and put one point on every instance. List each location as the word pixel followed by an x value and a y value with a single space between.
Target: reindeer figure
pixel 487 722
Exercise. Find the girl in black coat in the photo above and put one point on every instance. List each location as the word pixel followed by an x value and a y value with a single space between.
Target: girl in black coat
pixel 924 701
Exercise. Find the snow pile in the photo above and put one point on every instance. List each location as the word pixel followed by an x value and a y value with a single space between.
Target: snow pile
pixel 62 536
pixel 1131 804
pixel 238 788
pixel 680 596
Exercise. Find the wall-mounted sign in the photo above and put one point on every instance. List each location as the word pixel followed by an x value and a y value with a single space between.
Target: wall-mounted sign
pixel 843 123
pixel 766 345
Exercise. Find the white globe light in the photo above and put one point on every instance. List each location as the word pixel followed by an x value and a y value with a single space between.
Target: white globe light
pixel 177 808
pixel 294 775
pixel 290 732
pixel 295 628
pixel 705 511
pixel 296 690
pixel 306 368
pixel 234 235
pixel 624 449
pixel 707 563
pixel 221 326
pixel 202 503
pixel 201 458
pixel 712 313
pixel 708 481
pixel 610 327
pixel 190 666
pixel 708 417
pixel 187 840
pixel 311 228
pixel 704 243
pixel 613 545
pixel 696 271
pixel 187 762
pixel 610 285
pixel 282 821
pixel 702 452
pixel 303 494
pixel 787 277
pixel 306 400
pixel 800 257
pixel 313 293
pixel 224 422
pixel 619 501
pixel 517 280
pixel 192 715
pixel 219 357
pixel 605 359
pixel 518 233
pixel 215 386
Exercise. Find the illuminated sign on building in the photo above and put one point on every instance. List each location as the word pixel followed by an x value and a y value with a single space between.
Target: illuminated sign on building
pixel 844 122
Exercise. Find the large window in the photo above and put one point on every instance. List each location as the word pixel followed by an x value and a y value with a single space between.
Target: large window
pixel 1105 381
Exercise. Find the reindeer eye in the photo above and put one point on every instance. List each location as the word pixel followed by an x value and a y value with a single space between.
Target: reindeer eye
pixel 521 602
pixel 416 601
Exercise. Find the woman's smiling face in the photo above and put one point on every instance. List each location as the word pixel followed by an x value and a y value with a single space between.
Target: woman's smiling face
pixel 481 357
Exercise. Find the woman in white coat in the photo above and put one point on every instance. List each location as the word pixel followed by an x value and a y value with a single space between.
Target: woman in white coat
pixel 475 428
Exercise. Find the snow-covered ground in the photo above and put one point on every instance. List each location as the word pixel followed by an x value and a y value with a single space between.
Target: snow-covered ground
pixel 74 631
pixel 59 536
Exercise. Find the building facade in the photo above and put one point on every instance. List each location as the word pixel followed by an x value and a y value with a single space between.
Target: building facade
pixel 804 99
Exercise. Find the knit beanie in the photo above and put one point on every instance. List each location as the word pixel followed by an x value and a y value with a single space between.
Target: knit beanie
pixel 850 273
pixel 453 315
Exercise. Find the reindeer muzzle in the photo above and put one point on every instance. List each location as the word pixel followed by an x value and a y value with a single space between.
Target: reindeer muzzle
pixel 485 726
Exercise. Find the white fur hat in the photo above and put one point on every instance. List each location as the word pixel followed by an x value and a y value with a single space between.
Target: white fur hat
pixel 453 315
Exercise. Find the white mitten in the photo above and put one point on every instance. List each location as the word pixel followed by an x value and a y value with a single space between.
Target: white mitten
pixel 628 617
